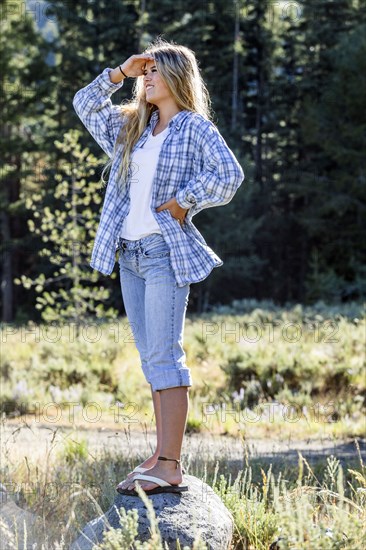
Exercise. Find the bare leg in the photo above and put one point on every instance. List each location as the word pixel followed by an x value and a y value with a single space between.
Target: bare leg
pixel 157 411
pixel 174 411
pixel 151 460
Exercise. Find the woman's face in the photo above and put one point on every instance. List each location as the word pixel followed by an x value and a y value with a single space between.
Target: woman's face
pixel 156 90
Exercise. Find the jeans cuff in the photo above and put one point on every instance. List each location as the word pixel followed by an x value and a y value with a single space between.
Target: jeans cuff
pixel 171 379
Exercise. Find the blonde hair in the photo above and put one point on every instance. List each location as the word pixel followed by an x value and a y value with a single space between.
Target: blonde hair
pixel 177 66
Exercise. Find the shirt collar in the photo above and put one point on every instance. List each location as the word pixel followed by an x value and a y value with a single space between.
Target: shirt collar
pixel 176 119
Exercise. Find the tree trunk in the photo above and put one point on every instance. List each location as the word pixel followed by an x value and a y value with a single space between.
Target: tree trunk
pixel 234 104
pixel 7 271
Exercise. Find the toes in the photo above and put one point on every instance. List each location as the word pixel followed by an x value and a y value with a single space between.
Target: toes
pixel 124 484
pixel 132 486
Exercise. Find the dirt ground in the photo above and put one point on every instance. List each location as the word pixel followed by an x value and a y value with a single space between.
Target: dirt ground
pixel 30 439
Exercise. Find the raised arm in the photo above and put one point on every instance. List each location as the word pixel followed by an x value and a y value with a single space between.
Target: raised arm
pixel 220 177
pixel 96 111
pixel 93 104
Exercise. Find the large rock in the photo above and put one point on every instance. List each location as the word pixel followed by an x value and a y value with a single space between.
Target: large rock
pixel 182 516
pixel 17 524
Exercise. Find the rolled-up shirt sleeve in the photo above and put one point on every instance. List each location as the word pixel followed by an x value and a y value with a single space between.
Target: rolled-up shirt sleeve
pixel 219 179
pixel 96 111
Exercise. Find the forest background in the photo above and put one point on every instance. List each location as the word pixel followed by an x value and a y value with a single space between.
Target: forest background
pixel 287 82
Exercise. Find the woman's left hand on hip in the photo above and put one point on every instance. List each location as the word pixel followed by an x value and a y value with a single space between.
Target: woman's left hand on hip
pixel 176 211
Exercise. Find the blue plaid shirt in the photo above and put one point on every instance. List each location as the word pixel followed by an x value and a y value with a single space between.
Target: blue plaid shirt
pixel 195 166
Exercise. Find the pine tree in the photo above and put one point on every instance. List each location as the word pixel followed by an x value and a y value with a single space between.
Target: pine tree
pixel 23 88
pixel 64 220
pixel 299 167
pixel 337 130
pixel 282 239
pixel 91 36
pixel 323 26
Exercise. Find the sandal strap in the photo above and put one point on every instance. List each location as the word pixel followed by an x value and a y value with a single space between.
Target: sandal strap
pixel 154 479
pixel 173 459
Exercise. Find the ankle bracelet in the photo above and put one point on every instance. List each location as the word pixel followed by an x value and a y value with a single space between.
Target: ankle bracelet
pixel 173 459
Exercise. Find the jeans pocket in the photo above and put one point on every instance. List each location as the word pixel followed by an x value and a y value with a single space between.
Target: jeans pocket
pixel 157 248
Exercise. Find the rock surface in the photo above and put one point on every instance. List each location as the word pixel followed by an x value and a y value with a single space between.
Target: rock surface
pixel 17 524
pixel 182 516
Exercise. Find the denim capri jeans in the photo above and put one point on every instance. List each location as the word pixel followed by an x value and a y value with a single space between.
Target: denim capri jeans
pixel 155 307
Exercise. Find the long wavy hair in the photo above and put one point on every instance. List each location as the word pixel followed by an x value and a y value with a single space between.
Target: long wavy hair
pixel 178 67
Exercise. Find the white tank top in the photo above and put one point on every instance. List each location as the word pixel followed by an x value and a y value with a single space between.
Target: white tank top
pixel 140 221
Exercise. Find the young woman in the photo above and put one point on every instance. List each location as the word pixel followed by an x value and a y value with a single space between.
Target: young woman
pixel 168 161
